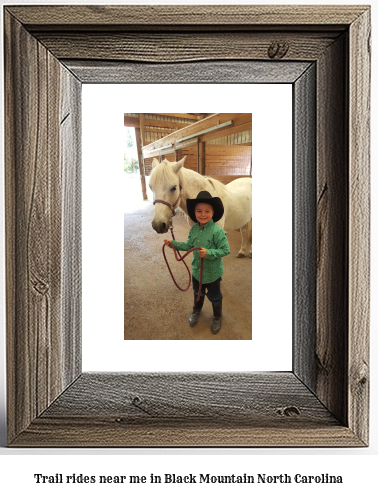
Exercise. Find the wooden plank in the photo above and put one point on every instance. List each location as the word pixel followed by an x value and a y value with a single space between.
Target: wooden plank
pixel 168 156
pixel 39 337
pixel 178 47
pixel 174 410
pixel 332 232
pixel 142 139
pixel 359 226
pixel 142 129
pixel 180 145
pixel 226 171
pixel 219 160
pixel 162 123
pixel 149 396
pixel 228 149
pixel 186 144
pixel 141 163
pixel 95 431
pixel 156 154
pixel 224 161
pixel 204 124
pixel 201 157
pixel 198 162
pixel 304 214
pixel 226 131
pixel 162 130
pixel 130 121
pixel 187 17
pixel 192 72
pixel 71 186
pixel 182 115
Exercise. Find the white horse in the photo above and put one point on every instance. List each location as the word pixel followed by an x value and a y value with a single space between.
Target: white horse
pixel 168 178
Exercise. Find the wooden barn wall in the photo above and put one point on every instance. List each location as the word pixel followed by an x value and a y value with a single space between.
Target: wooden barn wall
pixel 228 160
pixel 166 125
pixel 148 165
pixel 191 156
pixel 230 155
pixel 225 158
pixel 172 124
pixel 239 138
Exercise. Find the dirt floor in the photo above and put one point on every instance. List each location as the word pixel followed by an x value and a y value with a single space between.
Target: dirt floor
pixel 155 308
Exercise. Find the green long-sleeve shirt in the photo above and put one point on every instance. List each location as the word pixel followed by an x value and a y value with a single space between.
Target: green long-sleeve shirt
pixel 213 238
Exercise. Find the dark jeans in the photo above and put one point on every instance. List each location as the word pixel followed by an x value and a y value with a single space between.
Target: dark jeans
pixel 213 292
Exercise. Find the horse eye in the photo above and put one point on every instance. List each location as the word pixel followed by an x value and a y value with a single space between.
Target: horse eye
pixel 174 188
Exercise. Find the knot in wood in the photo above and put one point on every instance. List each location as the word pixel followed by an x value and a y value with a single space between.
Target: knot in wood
pixel 288 411
pixel 136 400
pixel 140 404
pixel 277 50
pixel 362 376
pixel 41 287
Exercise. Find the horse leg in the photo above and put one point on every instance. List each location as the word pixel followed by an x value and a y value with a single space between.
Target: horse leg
pixel 249 233
pixel 246 235
pixel 243 232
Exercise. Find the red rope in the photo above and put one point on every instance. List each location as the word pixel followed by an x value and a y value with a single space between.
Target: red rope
pixel 182 259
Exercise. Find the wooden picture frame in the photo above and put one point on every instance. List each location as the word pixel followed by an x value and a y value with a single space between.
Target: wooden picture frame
pixel 49 52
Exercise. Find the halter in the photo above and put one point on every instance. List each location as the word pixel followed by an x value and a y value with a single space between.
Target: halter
pixel 170 205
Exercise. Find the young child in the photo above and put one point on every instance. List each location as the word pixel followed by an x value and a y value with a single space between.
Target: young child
pixel 206 210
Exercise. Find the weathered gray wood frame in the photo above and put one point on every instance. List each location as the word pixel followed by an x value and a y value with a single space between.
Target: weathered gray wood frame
pixel 49 53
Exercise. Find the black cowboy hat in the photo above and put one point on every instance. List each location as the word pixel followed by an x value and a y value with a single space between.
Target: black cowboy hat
pixel 205 197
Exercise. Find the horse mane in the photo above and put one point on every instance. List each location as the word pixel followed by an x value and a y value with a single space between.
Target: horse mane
pixel 162 173
pixel 165 174
pixel 217 185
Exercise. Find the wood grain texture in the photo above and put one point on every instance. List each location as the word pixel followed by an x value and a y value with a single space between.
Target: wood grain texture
pixel 34 239
pixel 184 16
pixel 32 311
pixel 96 431
pixel 198 72
pixel 359 226
pixel 140 161
pixel 176 409
pixel 332 230
pixel 70 165
pixel 179 47
pixel 324 402
pixel 304 227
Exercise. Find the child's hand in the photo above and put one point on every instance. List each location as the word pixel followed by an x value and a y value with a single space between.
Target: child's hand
pixel 168 243
pixel 202 253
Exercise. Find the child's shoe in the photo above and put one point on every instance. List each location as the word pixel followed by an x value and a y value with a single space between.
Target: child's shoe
pixel 193 318
pixel 217 318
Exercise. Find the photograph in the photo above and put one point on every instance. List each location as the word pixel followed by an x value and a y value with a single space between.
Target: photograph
pixel 193 172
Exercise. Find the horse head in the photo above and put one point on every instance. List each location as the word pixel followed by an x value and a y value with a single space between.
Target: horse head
pixel 165 185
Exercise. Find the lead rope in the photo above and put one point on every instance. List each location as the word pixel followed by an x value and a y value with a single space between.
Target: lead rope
pixel 179 258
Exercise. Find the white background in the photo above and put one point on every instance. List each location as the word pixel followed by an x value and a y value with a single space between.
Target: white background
pixel 358 466
pixel 103 346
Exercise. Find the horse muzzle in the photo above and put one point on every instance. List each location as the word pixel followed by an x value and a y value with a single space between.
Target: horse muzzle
pixel 160 227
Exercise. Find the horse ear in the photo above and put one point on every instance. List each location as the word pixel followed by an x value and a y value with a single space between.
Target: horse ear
pixel 155 163
pixel 179 164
